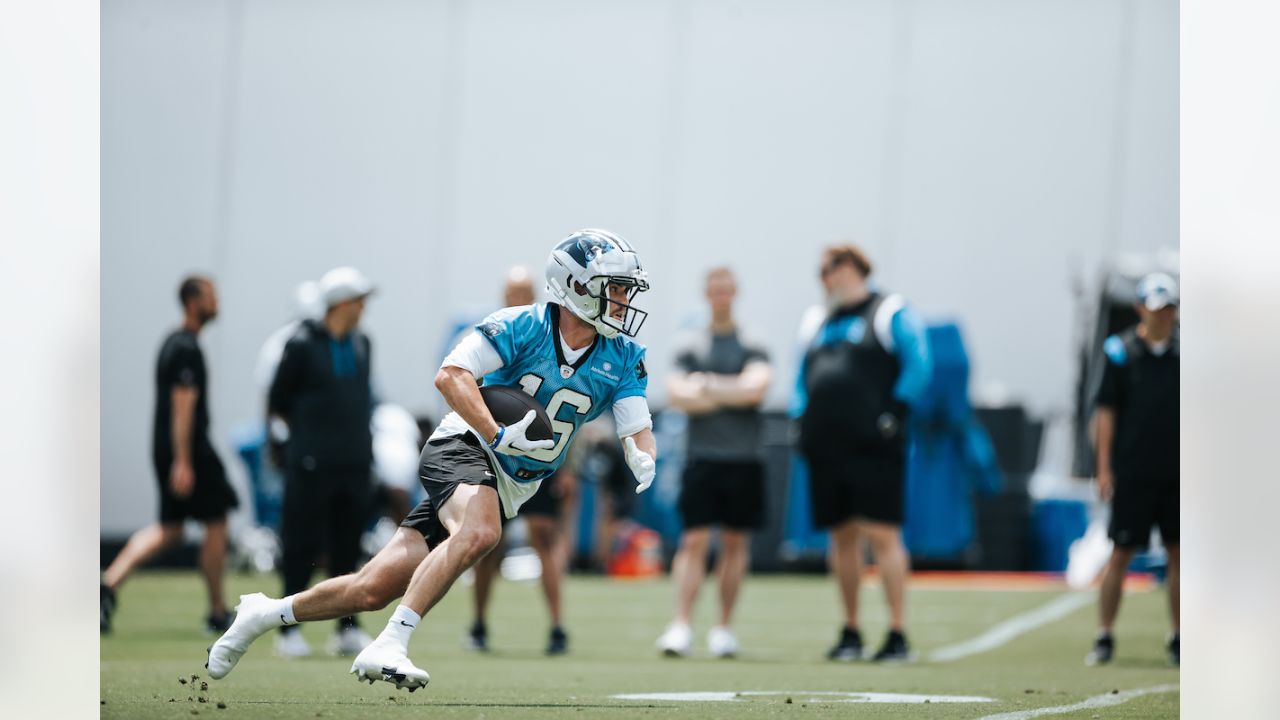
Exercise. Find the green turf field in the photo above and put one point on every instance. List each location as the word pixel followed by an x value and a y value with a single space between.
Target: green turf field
pixel 785 625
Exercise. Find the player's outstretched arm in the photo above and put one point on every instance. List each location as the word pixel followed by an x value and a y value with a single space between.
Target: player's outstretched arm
pixel 641 451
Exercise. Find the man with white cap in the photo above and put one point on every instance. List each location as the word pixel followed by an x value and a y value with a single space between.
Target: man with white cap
pixel 322 392
pixel 1136 427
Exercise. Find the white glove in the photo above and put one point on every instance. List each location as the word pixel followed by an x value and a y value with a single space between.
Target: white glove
pixel 510 439
pixel 641 464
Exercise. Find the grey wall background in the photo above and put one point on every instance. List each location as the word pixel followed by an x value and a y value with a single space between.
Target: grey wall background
pixel 983 151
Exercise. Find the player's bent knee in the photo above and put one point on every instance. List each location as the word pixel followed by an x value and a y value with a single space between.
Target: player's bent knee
pixel 478 541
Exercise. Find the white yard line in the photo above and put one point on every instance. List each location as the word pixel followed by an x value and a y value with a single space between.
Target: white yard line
pixel 1094 702
pixel 1013 627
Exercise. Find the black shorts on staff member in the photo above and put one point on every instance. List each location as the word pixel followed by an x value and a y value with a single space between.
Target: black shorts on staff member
pixel 722 492
pixel 867 485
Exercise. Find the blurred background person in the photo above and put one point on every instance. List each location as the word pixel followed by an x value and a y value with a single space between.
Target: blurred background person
pixel 867 365
pixel 322 392
pixel 719 382
pixel 1136 431
pixel 545 515
pixel 193 482
pixel 397 444
pixel 308 306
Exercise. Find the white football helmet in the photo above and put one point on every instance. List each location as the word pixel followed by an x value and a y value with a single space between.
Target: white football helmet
pixel 579 271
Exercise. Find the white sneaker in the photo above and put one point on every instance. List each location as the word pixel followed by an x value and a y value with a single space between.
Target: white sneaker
pixel 349 641
pixel 676 640
pixel 721 642
pixel 253 619
pixel 292 645
pixel 384 660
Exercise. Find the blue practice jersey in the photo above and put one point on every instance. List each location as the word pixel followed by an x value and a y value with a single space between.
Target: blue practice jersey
pixel 528 341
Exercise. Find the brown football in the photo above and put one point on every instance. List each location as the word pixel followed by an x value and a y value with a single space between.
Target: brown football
pixel 508 405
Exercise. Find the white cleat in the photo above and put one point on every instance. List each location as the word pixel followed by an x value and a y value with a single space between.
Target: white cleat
pixel 292 645
pixel 677 639
pixel 721 642
pixel 252 621
pixel 349 641
pixel 388 663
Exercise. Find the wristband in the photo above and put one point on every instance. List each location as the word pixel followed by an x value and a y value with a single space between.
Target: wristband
pixel 497 438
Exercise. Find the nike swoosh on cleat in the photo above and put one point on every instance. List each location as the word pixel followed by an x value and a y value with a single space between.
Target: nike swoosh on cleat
pixel 390 674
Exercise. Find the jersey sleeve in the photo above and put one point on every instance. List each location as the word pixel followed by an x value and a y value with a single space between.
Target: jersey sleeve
pixel 288 378
pixel 635 382
pixel 507 330
pixel 911 345
pixel 800 393
pixel 756 352
pixel 474 355
pixel 184 367
pixel 686 358
pixel 631 415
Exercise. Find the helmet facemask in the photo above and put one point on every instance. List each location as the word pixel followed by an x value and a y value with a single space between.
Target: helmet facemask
pixel 582 269
pixel 614 315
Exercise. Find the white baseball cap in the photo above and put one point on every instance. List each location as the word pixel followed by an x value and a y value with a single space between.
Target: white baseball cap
pixel 344 283
pixel 1157 290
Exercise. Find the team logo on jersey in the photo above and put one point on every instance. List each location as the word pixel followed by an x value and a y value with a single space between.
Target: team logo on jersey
pixel 641 373
pixel 856 331
pixel 566 372
pixel 604 372
pixel 491 329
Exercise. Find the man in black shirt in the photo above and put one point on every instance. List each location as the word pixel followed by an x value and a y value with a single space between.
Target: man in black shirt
pixel 1137 447
pixel 720 381
pixel 321 390
pixel 193 483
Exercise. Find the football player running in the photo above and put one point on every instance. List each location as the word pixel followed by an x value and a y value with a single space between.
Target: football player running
pixel 575 356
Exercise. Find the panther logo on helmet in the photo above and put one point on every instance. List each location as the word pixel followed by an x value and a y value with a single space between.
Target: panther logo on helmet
pixel 586 246
pixel 580 271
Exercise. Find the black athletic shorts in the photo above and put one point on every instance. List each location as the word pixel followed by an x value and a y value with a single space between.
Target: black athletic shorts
pixel 211 497
pixel 725 493
pixel 1140 504
pixel 447 462
pixel 868 485
pixel 545 502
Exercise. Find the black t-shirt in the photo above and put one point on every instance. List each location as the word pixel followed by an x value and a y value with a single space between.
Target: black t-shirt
pixel 727 433
pixel 181 364
pixel 849 378
pixel 1141 387
pixel 322 391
